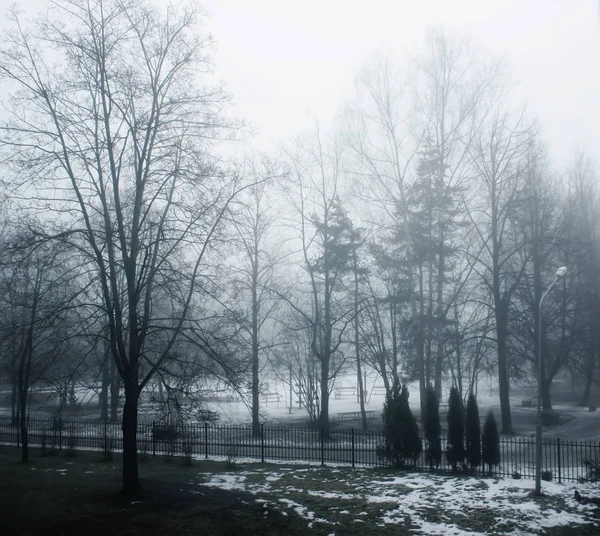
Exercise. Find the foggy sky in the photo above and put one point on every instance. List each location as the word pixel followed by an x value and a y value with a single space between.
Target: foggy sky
pixel 287 62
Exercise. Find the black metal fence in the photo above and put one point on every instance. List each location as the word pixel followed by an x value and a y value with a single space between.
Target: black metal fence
pixel 564 459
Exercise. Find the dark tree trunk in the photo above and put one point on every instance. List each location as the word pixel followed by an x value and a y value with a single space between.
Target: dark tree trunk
pixel 23 428
pixel 420 345
pixel 255 360
pixel 114 393
pixel 503 381
pixel 104 389
pixel 14 404
pixel 546 401
pixel 438 373
pixel 131 481
pixel 589 376
pixel 72 397
pixel 324 416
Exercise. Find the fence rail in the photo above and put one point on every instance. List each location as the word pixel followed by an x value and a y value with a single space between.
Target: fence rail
pixel 565 459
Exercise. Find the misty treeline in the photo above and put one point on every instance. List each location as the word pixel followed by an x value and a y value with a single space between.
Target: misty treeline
pixel 145 263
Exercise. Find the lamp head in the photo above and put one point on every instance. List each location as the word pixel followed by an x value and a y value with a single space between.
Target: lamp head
pixel 561 272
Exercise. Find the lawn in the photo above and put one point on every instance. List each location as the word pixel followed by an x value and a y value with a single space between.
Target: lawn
pixel 59 495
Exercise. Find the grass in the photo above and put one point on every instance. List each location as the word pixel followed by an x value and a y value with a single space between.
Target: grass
pixel 59 495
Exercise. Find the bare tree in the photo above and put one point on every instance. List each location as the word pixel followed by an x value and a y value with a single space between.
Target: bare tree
pixel 253 220
pixel 111 132
pixel 37 329
pixel 497 159
pixel 325 232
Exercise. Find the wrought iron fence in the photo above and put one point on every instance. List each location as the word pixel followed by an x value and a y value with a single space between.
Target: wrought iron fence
pixel 564 459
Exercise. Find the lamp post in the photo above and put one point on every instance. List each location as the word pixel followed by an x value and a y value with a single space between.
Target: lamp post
pixel 538 429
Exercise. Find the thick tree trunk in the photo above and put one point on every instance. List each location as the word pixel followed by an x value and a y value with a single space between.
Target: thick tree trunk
pixel 503 380
pixel 114 393
pixel 14 404
pixel 438 373
pixel 546 400
pixel 104 390
pixel 589 376
pixel 585 398
pixel 23 428
pixel 131 481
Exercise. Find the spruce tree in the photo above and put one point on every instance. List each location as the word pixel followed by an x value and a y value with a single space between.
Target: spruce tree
pixel 433 429
pixel 401 432
pixel 411 447
pixel 456 429
pixel 392 433
pixel 490 442
pixel 472 433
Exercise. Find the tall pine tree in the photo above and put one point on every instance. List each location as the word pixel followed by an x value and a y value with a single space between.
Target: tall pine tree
pixel 456 429
pixel 433 429
pixel 472 433
pixel 402 442
pixel 490 442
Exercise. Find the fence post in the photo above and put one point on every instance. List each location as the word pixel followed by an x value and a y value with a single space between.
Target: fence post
pixel 19 433
pixel 262 443
pixel 558 453
pixel 322 447
pixel 60 425
pixel 153 438
pixel 205 439
pixel 352 447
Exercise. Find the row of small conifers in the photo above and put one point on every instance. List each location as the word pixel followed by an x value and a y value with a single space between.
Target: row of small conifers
pixel 466 446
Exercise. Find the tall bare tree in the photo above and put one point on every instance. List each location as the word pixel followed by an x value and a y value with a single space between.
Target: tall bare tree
pixel 111 130
pixel 253 221
pixel 497 156
pixel 326 237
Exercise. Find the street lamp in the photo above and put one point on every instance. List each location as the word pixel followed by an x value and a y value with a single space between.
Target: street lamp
pixel 538 429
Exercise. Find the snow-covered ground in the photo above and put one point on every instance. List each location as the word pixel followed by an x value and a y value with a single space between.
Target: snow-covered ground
pixel 577 423
pixel 429 504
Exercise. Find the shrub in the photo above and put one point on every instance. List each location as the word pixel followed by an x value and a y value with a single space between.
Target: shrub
pixel 546 476
pixel 516 475
pixel 165 432
pixel 472 433
pixel 432 429
pixel 401 432
pixel 490 442
pixel 456 429
pixel 593 471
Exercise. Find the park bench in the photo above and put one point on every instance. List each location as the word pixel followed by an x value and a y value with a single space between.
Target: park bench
pixel 529 402
pixel 342 391
pixel 378 390
pixel 352 415
pixel 271 396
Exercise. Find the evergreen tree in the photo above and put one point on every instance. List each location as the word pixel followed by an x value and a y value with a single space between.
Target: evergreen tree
pixel 472 433
pixel 456 429
pixel 490 442
pixel 432 429
pixel 412 445
pixel 391 448
pixel 401 432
